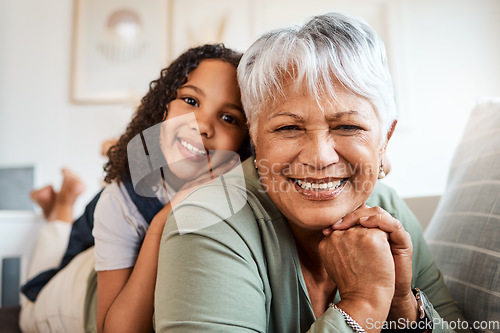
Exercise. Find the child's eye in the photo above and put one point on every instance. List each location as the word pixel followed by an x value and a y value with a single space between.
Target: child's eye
pixel 229 119
pixel 190 101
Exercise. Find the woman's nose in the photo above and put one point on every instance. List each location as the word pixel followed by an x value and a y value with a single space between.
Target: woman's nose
pixel 319 152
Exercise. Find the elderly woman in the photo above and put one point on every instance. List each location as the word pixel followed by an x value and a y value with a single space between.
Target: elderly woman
pixel 300 245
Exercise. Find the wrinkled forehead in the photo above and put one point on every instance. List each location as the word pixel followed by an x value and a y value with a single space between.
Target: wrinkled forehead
pixel 325 95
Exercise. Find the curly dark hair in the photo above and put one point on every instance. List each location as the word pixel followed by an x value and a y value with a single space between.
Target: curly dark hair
pixel 153 107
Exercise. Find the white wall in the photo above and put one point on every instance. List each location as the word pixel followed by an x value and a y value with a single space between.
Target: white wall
pixel 449 53
pixel 38 124
pixel 444 53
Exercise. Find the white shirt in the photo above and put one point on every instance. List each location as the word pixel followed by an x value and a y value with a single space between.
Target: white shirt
pixel 119 229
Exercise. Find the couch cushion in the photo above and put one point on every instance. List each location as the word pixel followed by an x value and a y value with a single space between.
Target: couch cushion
pixel 464 234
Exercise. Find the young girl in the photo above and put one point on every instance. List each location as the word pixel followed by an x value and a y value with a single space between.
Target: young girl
pixel 200 83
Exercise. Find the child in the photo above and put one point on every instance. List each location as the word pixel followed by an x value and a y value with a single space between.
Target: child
pixel 202 82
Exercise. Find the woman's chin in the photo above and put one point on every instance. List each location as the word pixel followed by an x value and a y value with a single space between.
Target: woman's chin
pixel 316 220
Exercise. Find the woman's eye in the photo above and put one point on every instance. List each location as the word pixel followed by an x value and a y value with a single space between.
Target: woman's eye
pixel 229 119
pixel 348 128
pixel 190 101
pixel 287 128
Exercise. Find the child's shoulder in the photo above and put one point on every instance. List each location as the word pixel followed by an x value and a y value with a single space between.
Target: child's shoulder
pixel 115 197
pixel 116 190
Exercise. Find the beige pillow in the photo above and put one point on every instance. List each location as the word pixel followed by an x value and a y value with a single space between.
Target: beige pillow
pixel 464 234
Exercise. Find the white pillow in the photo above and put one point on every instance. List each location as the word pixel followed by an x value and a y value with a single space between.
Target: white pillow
pixel 464 234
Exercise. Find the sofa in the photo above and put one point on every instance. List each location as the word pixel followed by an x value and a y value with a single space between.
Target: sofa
pixel 464 233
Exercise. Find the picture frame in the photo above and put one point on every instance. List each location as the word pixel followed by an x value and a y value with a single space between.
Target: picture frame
pixel 119 47
pixel 196 22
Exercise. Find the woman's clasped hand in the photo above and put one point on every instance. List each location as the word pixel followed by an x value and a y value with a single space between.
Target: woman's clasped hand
pixel 385 273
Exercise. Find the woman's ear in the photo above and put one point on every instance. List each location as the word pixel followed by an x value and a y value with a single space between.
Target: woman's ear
pixel 385 163
pixel 391 131
pixel 389 135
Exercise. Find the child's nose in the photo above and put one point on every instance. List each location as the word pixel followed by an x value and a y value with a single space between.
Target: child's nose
pixel 205 123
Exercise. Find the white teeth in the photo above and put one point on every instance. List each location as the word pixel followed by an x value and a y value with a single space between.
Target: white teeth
pixel 192 148
pixel 319 186
pixel 302 184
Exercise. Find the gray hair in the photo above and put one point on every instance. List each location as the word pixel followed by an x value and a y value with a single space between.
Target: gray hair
pixel 327 50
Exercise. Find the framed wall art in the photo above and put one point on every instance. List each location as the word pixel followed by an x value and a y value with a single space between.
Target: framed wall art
pixel 119 46
pixel 196 22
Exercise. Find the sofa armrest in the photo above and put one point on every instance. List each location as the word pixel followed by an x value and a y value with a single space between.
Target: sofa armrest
pixel 423 207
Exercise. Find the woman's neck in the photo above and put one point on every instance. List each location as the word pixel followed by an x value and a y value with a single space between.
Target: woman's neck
pixel 307 243
pixel 320 288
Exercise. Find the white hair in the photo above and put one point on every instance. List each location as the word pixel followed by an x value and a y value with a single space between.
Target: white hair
pixel 328 50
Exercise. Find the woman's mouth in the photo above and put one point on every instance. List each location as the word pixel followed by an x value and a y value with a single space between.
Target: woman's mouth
pixel 320 189
pixel 320 186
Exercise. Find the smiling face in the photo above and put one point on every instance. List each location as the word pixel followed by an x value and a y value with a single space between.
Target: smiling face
pixel 317 165
pixel 206 115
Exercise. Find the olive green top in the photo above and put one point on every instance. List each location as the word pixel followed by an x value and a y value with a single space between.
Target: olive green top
pixel 228 263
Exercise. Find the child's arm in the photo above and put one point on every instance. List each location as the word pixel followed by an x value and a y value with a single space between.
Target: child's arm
pixel 126 296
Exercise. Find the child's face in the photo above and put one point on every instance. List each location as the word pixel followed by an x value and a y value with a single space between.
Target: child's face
pixel 206 115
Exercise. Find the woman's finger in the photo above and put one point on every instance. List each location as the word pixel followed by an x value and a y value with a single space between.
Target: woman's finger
pixel 327 231
pixel 398 236
pixel 374 217
pixel 352 219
